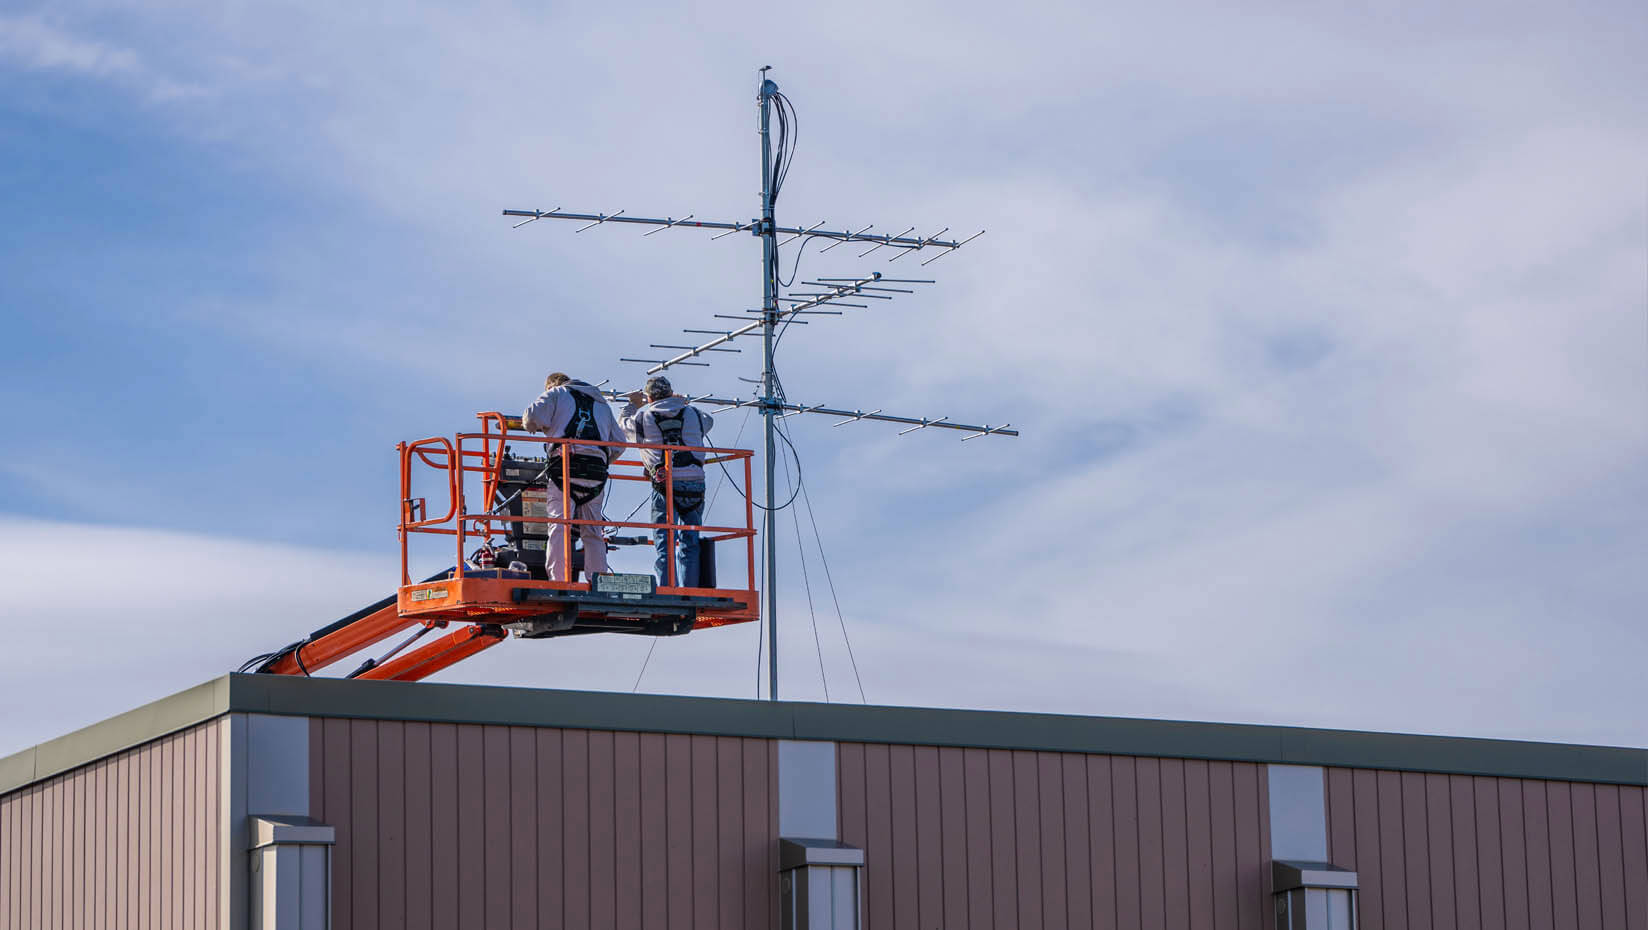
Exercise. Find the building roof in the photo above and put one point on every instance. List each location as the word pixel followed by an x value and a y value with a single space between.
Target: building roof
pixel 388 700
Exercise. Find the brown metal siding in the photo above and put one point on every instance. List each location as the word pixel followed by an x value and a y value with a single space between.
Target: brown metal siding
pixel 85 848
pixel 1478 852
pixel 456 825
pixel 981 838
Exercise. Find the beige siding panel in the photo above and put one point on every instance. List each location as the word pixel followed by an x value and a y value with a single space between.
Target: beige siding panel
pixel 80 850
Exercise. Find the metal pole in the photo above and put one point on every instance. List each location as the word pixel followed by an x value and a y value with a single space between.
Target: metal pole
pixel 769 388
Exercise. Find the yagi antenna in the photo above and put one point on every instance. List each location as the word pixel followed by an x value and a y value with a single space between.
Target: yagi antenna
pixel 820 296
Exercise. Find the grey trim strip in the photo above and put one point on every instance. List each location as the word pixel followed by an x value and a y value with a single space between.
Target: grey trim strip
pixel 116 734
pixel 388 700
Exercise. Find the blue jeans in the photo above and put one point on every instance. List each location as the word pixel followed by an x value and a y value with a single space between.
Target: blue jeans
pixel 686 541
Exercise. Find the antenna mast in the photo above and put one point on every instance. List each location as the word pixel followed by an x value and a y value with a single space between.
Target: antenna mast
pixel 769 388
pixel 831 292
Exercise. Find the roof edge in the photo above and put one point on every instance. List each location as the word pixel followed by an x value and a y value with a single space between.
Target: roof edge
pixel 599 710
pixel 116 734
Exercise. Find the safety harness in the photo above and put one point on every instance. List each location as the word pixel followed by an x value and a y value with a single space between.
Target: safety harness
pixel 669 427
pixel 583 467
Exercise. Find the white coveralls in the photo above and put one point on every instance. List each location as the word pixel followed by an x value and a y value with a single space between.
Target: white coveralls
pixel 552 414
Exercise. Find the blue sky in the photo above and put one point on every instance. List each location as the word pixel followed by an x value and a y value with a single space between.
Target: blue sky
pixel 1327 331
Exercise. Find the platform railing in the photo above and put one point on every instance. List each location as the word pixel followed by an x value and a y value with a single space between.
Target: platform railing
pixel 481 455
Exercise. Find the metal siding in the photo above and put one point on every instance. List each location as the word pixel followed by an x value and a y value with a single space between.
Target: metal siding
pixel 654 832
pixel 929 864
pixel 1175 854
pixel 901 766
pixel 729 783
pixel 1078 839
pixel 678 817
pixel 705 897
pixel 975 766
pixel 1124 806
pixel 393 817
pixel 1003 841
pixel 1221 792
pixel 1252 851
pixel 1491 875
pixel 760 802
pixel 1501 852
pixel 1198 846
pixel 498 777
pixel 550 857
pixel 444 815
pixel 626 819
pixel 417 857
pixel 1050 804
pixel 1633 833
pixel 1439 852
pixel 1587 870
pixel 954 850
pixel 575 827
pixel 523 828
pixel 82 848
pixel 603 853
pixel 1467 893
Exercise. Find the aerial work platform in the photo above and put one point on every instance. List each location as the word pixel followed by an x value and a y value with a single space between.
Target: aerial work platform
pixel 499 586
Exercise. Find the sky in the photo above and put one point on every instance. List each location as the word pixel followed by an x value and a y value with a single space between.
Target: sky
pixel 1326 328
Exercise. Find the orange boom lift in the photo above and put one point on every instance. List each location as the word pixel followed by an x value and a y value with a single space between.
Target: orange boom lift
pixel 500 588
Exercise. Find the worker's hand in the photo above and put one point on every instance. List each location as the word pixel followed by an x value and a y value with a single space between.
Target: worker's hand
pixel 636 398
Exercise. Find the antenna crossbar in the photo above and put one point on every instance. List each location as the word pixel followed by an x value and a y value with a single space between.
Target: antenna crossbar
pixel 903 241
pixel 852 287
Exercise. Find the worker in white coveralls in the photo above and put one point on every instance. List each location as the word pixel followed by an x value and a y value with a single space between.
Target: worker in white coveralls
pixel 572 409
pixel 660 416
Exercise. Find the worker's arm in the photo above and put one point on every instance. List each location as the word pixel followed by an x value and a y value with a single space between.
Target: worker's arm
pixel 537 416
pixel 705 424
pixel 630 417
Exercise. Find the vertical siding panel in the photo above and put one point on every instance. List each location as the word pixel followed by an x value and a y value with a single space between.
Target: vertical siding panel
pixel 497 793
pixel 551 858
pixel 1537 848
pixel 1416 845
pixel 849 779
pixel 338 814
pixel 706 891
pixel 952 786
pixel 575 827
pixel 1587 870
pixel 729 803
pixel 1633 824
pixel 655 860
pixel 1003 833
pixel 8 862
pixel 626 799
pixel 759 880
pixel 929 845
pixel 523 827
pixel 363 801
pixel 975 769
pixel 1392 846
pixel 27 879
pixel 1560 824
pixel 1341 817
pixel 1078 839
pixel 678 763
pixel 1198 846
pixel 187 824
pixel 214 834
pixel 1490 863
pixel 1050 801
pixel 97 815
pixel 1152 879
pixel 392 817
pixel 603 879
pixel 1610 857
pixel 1221 796
pixel 878 862
pixel 1439 831
pixel 1251 855
pixel 470 802
pixel 907 889
pixel 444 896
pixel 1467 897
pixel 419 877
pixel 1101 843
pixel 1175 851
pixel 1514 852
pixel 1124 802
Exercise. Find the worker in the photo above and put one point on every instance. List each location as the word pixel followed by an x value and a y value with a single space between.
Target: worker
pixel 659 416
pixel 572 409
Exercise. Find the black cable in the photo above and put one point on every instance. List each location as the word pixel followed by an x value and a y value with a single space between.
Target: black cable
pixel 796 492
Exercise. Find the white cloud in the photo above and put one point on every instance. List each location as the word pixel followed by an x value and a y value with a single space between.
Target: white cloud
pixel 34 44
